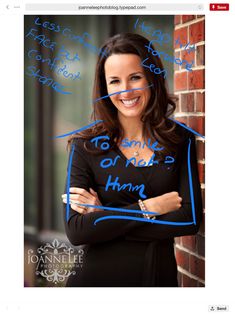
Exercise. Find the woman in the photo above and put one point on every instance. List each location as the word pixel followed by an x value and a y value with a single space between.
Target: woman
pixel 146 165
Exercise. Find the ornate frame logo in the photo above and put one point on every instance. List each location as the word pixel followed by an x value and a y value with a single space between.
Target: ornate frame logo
pixel 56 261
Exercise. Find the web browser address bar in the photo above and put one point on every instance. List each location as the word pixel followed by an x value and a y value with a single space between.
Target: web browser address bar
pixel 123 7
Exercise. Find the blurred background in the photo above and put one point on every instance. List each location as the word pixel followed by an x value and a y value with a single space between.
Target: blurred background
pixel 48 113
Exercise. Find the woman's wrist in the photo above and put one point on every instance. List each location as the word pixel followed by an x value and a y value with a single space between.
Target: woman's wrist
pixel 143 207
pixel 152 206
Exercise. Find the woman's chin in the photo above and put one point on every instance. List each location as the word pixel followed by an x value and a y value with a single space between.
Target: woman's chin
pixel 131 115
pixel 134 112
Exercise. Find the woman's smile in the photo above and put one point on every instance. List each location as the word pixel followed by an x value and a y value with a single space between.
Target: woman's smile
pixel 131 102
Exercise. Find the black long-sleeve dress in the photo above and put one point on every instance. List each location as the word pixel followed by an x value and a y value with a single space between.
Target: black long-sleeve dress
pixel 123 252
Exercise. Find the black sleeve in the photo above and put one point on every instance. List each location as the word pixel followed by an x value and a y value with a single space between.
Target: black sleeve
pixel 191 210
pixel 80 229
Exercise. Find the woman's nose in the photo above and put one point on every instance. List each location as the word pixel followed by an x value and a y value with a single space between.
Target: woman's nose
pixel 126 89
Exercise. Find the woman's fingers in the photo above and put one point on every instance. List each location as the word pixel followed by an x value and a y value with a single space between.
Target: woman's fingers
pixel 79 199
pixel 78 209
pixel 76 197
pixel 80 196
pixel 72 202
pixel 79 191
pixel 92 192
pixel 97 201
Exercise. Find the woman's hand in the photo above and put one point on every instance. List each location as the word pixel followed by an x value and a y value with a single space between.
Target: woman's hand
pixel 81 196
pixel 164 203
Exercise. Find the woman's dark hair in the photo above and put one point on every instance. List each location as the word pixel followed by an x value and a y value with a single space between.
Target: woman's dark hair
pixel 157 126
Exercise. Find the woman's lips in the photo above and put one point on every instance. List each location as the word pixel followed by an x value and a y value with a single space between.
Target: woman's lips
pixel 129 103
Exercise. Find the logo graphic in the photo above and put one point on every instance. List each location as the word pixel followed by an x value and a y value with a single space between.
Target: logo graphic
pixel 56 261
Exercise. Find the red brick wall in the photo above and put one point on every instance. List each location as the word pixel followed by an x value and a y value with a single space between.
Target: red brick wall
pixel 190 89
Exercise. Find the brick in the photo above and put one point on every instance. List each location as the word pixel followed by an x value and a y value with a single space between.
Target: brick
pixel 183 120
pixel 178 240
pixel 182 259
pixel 180 81
pixel 177 56
pixel 187 102
pixel 177 19
pixel 200 150
pixel 189 57
pixel 201 172
pixel 197 32
pixel 181 34
pixel 200 59
pixel 189 242
pixel 200 102
pixel 200 243
pixel 196 79
pixel 197 124
pixel 197 267
pixel 177 103
pixel 188 282
pixel 186 18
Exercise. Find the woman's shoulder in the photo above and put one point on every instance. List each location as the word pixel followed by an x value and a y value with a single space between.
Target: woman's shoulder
pixel 183 131
pixel 89 142
pixel 80 142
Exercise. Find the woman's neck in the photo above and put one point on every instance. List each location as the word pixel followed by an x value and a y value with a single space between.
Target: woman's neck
pixel 132 127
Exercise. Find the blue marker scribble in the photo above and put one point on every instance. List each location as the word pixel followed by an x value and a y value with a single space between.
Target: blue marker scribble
pixel 122 91
pixel 125 210
pixel 155 221
pixel 191 183
pixel 186 127
pixel 128 210
pixel 122 210
pixel 68 181
pixel 79 130
pixel 169 160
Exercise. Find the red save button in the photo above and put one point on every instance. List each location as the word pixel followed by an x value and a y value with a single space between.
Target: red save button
pixel 219 6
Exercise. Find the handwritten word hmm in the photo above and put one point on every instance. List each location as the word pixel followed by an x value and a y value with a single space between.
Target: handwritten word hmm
pixel 115 185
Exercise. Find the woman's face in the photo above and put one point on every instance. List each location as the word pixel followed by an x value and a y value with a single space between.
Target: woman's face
pixel 124 72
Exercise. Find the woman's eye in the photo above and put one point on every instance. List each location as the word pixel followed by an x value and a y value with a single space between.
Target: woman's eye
pixel 114 82
pixel 136 77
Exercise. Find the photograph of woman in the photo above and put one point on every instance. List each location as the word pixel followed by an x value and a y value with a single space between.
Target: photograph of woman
pixel 128 252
